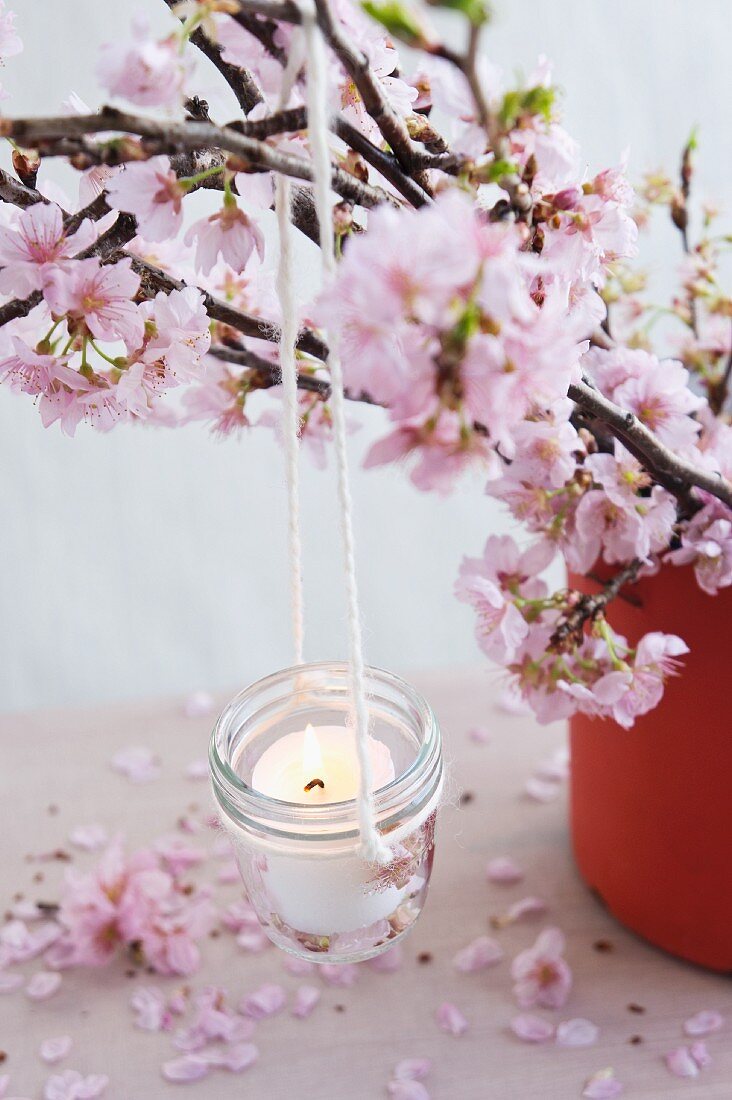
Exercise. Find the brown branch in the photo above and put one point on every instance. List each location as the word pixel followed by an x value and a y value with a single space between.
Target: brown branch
pixel 658 459
pixel 172 137
pixel 570 629
pixel 241 81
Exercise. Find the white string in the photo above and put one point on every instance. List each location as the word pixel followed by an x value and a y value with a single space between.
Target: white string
pixel 288 366
pixel 373 848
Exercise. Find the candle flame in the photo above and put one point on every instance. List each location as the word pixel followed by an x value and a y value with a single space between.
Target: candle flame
pixel 312 758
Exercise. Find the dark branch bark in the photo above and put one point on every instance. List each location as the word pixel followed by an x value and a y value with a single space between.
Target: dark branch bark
pixel 173 137
pixel 570 629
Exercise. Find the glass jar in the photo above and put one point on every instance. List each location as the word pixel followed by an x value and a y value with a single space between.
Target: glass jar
pixel 312 891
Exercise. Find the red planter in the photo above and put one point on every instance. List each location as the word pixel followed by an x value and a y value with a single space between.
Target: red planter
pixel 652 806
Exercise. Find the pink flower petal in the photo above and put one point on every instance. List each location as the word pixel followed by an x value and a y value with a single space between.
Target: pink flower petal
pixel 700 1054
pixel 151 1012
pixel 72 1085
pixel 504 870
pixel 43 985
pixel 412 1069
pixel 138 763
pixel 450 1019
pixel 577 1033
pixel 704 1023
pixel 90 838
pixel 681 1063
pixel 532 1029
pixel 199 704
pixel 556 768
pixel 54 1049
pixel 306 998
pixel 407 1090
pixel 4 1082
pixel 524 907
pixel 479 954
pixel 541 790
pixel 190 1067
pixel 603 1085
pixel 480 735
pixel 341 975
pixel 388 962
pixel 268 1000
pixel 299 967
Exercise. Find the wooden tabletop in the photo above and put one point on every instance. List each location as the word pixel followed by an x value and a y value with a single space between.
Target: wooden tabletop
pixel 56 775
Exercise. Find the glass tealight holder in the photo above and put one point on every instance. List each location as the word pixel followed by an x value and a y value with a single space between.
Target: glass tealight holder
pixel 313 893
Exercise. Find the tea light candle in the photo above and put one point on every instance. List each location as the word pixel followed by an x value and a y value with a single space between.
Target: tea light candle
pixel 318 766
pixel 290 810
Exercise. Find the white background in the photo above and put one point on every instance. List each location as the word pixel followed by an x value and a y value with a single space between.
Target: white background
pixel 147 561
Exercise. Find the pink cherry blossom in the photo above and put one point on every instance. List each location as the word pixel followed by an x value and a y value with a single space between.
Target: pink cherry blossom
pixel 268 1000
pixel 341 975
pixel 230 234
pixel 532 1029
pixel 35 245
pixel 150 1009
pixel 100 296
pixel 530 906
pixel 504 870
pixel 632 692
pixel 541 790
pixel 236 1057
pixel 182 333
pixel 704 1023
pixel 145 72
pixel 150 190
pixel 177 854
pixel 450 1019
pixel 706 543
pixel 603 1085
pixel 577 1033
pixel 10 43
pixel 541 973
pixel 481 953
pixel 305 1001
pixel 55 1049
pixel 389 961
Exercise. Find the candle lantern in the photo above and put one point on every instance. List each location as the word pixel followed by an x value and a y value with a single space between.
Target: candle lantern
pixel 285 775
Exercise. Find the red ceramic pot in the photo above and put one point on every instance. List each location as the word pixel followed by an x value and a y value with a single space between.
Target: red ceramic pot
pixel 652 806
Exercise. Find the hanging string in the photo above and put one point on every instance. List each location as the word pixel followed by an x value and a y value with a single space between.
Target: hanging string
pixel 373 848
pixel 288 364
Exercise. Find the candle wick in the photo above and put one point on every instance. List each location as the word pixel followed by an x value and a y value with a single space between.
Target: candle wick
pixel 314 783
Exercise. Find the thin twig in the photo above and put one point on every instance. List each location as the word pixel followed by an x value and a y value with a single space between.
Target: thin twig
pixel 570 629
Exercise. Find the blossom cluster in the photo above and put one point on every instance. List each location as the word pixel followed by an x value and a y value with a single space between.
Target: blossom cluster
pixel 471 315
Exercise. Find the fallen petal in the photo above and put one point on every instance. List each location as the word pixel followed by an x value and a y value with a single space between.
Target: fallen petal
pixel 532 1029
pixel 480 735
pixel 704 1023
pixel 503 869
pixel 603 1085
pixel 681 1063
pixel 525 907
pixel 577 1033
pixel 700 1054
pixel 198 704
pixel 268 1000
pixel 306 998
pixel 479 954
pixel 197 769
pixel 90 838
pixel 450 1019
pixel 43 985
pixel 53 1050
pixel 407 1090
pixel 188 1068
pixel 412 1069
pixel 541 790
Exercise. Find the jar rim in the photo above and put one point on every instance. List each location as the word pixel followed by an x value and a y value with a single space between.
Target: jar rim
pixel 415 785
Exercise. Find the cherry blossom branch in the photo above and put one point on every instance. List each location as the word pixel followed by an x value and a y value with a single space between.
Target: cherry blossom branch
pixel 640 441
pixel 588 608
pixel 170 137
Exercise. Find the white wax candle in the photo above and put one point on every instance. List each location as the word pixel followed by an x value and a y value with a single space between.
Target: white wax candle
pixel 329 892
pixel 322 755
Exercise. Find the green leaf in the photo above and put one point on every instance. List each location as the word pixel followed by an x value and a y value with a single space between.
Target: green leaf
pixel 478 12
pixel 397 19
